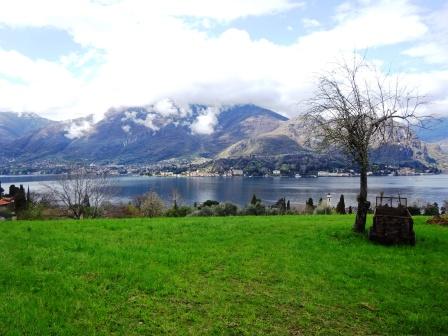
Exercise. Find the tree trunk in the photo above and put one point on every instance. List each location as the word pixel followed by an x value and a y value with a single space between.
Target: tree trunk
pixel 363 205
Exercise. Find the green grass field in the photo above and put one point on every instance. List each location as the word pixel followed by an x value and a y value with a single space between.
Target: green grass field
pixel 285 275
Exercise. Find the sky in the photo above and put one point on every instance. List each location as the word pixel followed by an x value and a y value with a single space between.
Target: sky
pixel 65 59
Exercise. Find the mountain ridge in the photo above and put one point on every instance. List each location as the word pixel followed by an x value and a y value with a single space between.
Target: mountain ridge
pixel 167 131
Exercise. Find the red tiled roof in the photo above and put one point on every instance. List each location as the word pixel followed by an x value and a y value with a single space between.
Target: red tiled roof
pixel 5 202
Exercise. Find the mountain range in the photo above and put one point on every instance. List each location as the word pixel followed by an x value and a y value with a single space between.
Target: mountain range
pixel 166 130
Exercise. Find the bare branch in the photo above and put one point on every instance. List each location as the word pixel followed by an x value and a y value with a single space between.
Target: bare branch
pixel 355 108
pixel 81 193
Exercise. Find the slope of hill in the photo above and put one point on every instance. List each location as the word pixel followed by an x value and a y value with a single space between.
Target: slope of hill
pixel 435 131
pixel 147 134
pixel 16 125
pixel 293 137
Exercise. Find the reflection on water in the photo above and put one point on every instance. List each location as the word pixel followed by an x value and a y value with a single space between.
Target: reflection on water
pixel 239 190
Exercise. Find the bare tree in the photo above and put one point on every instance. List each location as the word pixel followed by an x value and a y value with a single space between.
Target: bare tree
pixel 152 205
pixel 355 108
pixel 80 192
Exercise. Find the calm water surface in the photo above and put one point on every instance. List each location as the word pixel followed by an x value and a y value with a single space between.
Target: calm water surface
pixel 239 190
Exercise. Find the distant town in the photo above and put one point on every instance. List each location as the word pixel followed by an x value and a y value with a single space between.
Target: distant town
pixel 202 169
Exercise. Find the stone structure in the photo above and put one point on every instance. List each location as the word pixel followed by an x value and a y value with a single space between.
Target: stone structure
pixel 392 224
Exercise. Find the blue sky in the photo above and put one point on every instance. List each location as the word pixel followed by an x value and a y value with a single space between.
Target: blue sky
pixel 64 58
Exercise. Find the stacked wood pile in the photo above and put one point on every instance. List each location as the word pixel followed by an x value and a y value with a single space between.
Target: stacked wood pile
pixel 392 226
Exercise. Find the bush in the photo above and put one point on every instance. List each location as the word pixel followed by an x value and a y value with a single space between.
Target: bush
pixel 121 210
pixel 323 209
pixel 152 205
pixel 274 212
pixel 203 212
pixel 33 211
pixel 91 212
pixel 431 209
pixel 257 209
pixel 181 211
pixel 209 203
pixel 6 213
pixel 414 210
pixel 226 209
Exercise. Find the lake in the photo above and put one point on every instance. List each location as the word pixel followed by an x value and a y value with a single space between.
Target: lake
pixel 239 190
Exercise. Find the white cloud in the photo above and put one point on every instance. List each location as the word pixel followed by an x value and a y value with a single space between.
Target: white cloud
pixel 126 128
pixel 432 87
pixel 432 52
pixel 205 123
pixel 433 47
pixel 384 23
pixel 145 51
pixel 78 128
pixel 148 121
pixel 310 23
pixel 167 108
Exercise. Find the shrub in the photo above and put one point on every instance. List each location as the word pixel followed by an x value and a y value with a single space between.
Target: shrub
pixel 281 206
pixel 6 213
pixel 120 210
pixel 444 208
pixel 209 203
pixel 323 209
pixel 223 209
pixel 431 209
pixel 414 210
pixel 254 209
pixel 204 211
pixel 153 205
pixel 33 211
pixel 177 211
pixel 273 212
pixel 226 209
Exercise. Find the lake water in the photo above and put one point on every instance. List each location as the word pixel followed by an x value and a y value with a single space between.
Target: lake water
pixel 239 190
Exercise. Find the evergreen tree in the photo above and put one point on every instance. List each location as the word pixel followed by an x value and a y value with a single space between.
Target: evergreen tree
pixel 340 207
pixel 281 205
pixel 310 202
pixel 13 190
pixel 28 196
pixel 309 206
pixel 254 200
pixel 19 198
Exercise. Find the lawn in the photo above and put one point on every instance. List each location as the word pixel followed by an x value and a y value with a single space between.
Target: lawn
pixel 285 275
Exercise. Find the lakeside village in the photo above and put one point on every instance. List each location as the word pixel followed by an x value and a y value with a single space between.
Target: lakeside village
pixel 278 173
pixel 186 169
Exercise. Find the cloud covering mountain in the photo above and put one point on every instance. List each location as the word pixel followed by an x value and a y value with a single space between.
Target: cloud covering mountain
pixel 145 134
